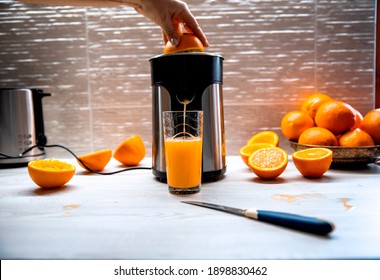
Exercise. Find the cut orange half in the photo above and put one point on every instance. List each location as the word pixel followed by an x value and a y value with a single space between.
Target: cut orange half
pixel 50 173
pixel 248 150
pixel 267 136
pixel 131 151
pixel 268 163
pixel 187 43
pixel 97 160
pixel 313 162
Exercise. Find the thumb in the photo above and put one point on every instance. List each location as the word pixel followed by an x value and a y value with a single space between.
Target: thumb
pixel 171 33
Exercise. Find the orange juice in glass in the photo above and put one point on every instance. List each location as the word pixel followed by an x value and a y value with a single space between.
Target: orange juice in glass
pixel 183 150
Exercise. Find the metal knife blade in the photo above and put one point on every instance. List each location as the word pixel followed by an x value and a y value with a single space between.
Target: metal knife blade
pixel 232 210
pixel 293 221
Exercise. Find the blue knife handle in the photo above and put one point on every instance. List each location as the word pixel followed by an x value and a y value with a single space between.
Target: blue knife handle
pixel 298 222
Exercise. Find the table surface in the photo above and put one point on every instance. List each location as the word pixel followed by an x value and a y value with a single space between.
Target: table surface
pixel 131 215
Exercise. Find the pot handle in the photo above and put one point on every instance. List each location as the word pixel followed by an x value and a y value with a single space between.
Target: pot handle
pixel 38 94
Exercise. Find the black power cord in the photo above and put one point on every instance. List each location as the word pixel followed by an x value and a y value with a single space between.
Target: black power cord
pixel 41 147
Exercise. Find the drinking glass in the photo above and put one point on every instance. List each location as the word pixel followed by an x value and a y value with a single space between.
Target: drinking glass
pixel 183 150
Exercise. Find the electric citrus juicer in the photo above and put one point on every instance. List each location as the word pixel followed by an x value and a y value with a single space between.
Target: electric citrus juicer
pixel 194 78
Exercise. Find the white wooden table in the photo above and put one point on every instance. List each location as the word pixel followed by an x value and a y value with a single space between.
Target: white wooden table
pixel 132 216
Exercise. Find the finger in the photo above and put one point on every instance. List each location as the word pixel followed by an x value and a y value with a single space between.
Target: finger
pixel 164 38
pixel 201 36
pixel 170 32
pixel 192 23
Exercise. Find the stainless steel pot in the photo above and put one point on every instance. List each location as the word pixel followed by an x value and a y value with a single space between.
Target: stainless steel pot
pixel 21 126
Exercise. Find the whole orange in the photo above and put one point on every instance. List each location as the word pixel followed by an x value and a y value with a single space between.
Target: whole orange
pixel 358 119
pixel 294 123
pixel 356 138
pixel 318 136
pixel 371 124
pixel 335 116
pixel 313 102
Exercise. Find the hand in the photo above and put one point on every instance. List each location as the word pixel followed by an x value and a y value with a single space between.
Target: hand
pixel 168 14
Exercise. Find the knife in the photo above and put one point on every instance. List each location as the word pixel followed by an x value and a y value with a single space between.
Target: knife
pixel 293 221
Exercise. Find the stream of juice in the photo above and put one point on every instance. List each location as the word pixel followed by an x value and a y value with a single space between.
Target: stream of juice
pixel 185 102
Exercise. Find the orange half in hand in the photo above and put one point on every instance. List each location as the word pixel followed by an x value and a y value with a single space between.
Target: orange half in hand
pixel 268 163
pixel 313 162
pixel 131 151
pixel 188 42
pixel 97 160
pixel 50 173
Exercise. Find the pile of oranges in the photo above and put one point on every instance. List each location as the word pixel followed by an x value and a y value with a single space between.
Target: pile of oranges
pixel 324 121
pixel 321 121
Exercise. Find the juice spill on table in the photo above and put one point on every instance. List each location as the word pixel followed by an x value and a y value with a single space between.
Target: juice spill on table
pixel 292 197
pixel 68 207
pixel 345 203
pixel 71 206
